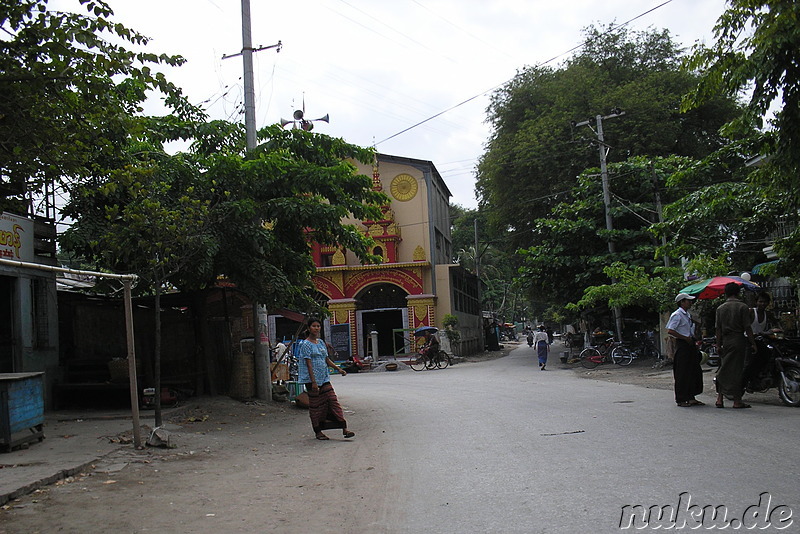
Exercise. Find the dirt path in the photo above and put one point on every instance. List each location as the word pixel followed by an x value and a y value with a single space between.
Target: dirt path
pixel 236 468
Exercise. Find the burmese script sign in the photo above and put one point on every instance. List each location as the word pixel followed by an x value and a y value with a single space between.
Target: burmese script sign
pixel 16 237
pixel 340 339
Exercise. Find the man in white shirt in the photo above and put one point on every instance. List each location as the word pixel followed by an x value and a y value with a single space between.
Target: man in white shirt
pixel 686 364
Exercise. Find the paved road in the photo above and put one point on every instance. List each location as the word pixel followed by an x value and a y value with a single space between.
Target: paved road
pixel 500 446
pixel 496 446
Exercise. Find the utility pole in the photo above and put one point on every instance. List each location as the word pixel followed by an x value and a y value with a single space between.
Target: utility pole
pixel 263 374
pixel 603 149
pixel 481 337
pixel 477 258
pixel 249 87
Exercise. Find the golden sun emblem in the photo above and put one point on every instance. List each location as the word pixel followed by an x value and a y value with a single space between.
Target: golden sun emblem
pixel 404 187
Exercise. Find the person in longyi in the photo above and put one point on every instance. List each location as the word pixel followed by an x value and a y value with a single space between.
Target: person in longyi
pixel 323 406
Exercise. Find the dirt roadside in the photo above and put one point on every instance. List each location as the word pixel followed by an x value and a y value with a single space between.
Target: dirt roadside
pixel 640 373
pixel 236 467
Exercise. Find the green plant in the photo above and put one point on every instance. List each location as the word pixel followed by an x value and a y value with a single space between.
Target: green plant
pixel 450 323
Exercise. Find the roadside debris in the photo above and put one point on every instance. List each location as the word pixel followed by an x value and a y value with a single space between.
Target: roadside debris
pixel 160 437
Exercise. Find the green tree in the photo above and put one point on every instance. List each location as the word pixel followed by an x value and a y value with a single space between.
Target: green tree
pixel 571 244
pixel 717 210
pixel 756 53
pixel 533 154
pixel 183 220
pixel 69 94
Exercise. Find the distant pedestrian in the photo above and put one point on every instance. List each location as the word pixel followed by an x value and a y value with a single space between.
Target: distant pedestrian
pixel 686 368
pixel 323 407
pixel 733 322
pixel 542 346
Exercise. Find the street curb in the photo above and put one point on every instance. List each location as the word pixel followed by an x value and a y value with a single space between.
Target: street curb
pixel 48 480
pixel 61 474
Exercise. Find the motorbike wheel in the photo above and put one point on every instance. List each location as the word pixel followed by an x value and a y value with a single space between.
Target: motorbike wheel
pixel 790 393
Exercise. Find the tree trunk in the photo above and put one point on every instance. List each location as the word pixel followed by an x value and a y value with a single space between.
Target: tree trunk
pixel 157 356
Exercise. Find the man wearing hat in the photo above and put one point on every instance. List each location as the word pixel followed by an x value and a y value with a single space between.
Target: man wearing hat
pixel 686 364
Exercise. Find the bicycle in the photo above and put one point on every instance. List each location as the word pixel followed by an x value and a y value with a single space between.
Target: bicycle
pixel 440 360
pixel 591 357
pixel 642 347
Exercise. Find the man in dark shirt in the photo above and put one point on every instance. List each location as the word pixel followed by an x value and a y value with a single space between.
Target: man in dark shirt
pixel 734 321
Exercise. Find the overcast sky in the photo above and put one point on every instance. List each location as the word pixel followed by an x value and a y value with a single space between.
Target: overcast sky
pixel 378 67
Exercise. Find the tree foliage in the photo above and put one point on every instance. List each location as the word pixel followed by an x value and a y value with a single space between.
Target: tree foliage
pixel 634 287
pixel 209 213
pixel 757 53
pixel 571 250
pixel 533 154
pixel 69 93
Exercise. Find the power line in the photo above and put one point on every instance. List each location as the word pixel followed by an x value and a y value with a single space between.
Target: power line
pixel 482 93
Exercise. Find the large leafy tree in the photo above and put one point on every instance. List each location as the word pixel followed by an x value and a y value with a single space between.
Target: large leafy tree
pixel 756 53
pixel 216 210
pixel 183 220
pixel 717 211
pixel 534 155
pixel 570 251
pixel 69 92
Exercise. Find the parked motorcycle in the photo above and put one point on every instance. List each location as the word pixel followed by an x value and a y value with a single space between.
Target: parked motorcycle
pixel 775 365
pixel 708 351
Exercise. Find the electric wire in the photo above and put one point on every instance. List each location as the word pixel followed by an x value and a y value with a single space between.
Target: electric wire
pixel 608 31
pixel 451 23
pixel 416 42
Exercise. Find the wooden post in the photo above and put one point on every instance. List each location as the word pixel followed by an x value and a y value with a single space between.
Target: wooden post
pixel 134 387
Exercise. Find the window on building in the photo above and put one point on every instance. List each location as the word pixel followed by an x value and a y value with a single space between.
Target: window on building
pixel 465 294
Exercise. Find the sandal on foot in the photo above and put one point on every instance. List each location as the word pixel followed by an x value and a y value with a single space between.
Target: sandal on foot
pixel 719 404
pixel 322 437
pixel 695 402
pixel 684 404
pixel 349 434
pixel 742 406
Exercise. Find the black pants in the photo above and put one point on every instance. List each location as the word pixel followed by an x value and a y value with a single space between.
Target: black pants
pixel 686 371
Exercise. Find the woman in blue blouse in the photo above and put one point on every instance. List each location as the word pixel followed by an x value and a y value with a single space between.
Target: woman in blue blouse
pixel 323 406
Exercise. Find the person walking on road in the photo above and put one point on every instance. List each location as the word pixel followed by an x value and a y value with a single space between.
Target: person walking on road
pixel 733 321
pixel 542 346
pixel 686 368
pixel 312 364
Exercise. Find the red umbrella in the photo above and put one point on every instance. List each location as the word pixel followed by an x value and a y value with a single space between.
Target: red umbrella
pixel 715 287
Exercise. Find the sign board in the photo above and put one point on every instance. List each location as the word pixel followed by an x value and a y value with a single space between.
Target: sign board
pixel 16 238
pixel 340 339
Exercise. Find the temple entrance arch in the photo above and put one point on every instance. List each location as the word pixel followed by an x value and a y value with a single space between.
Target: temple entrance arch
pixel 384 307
